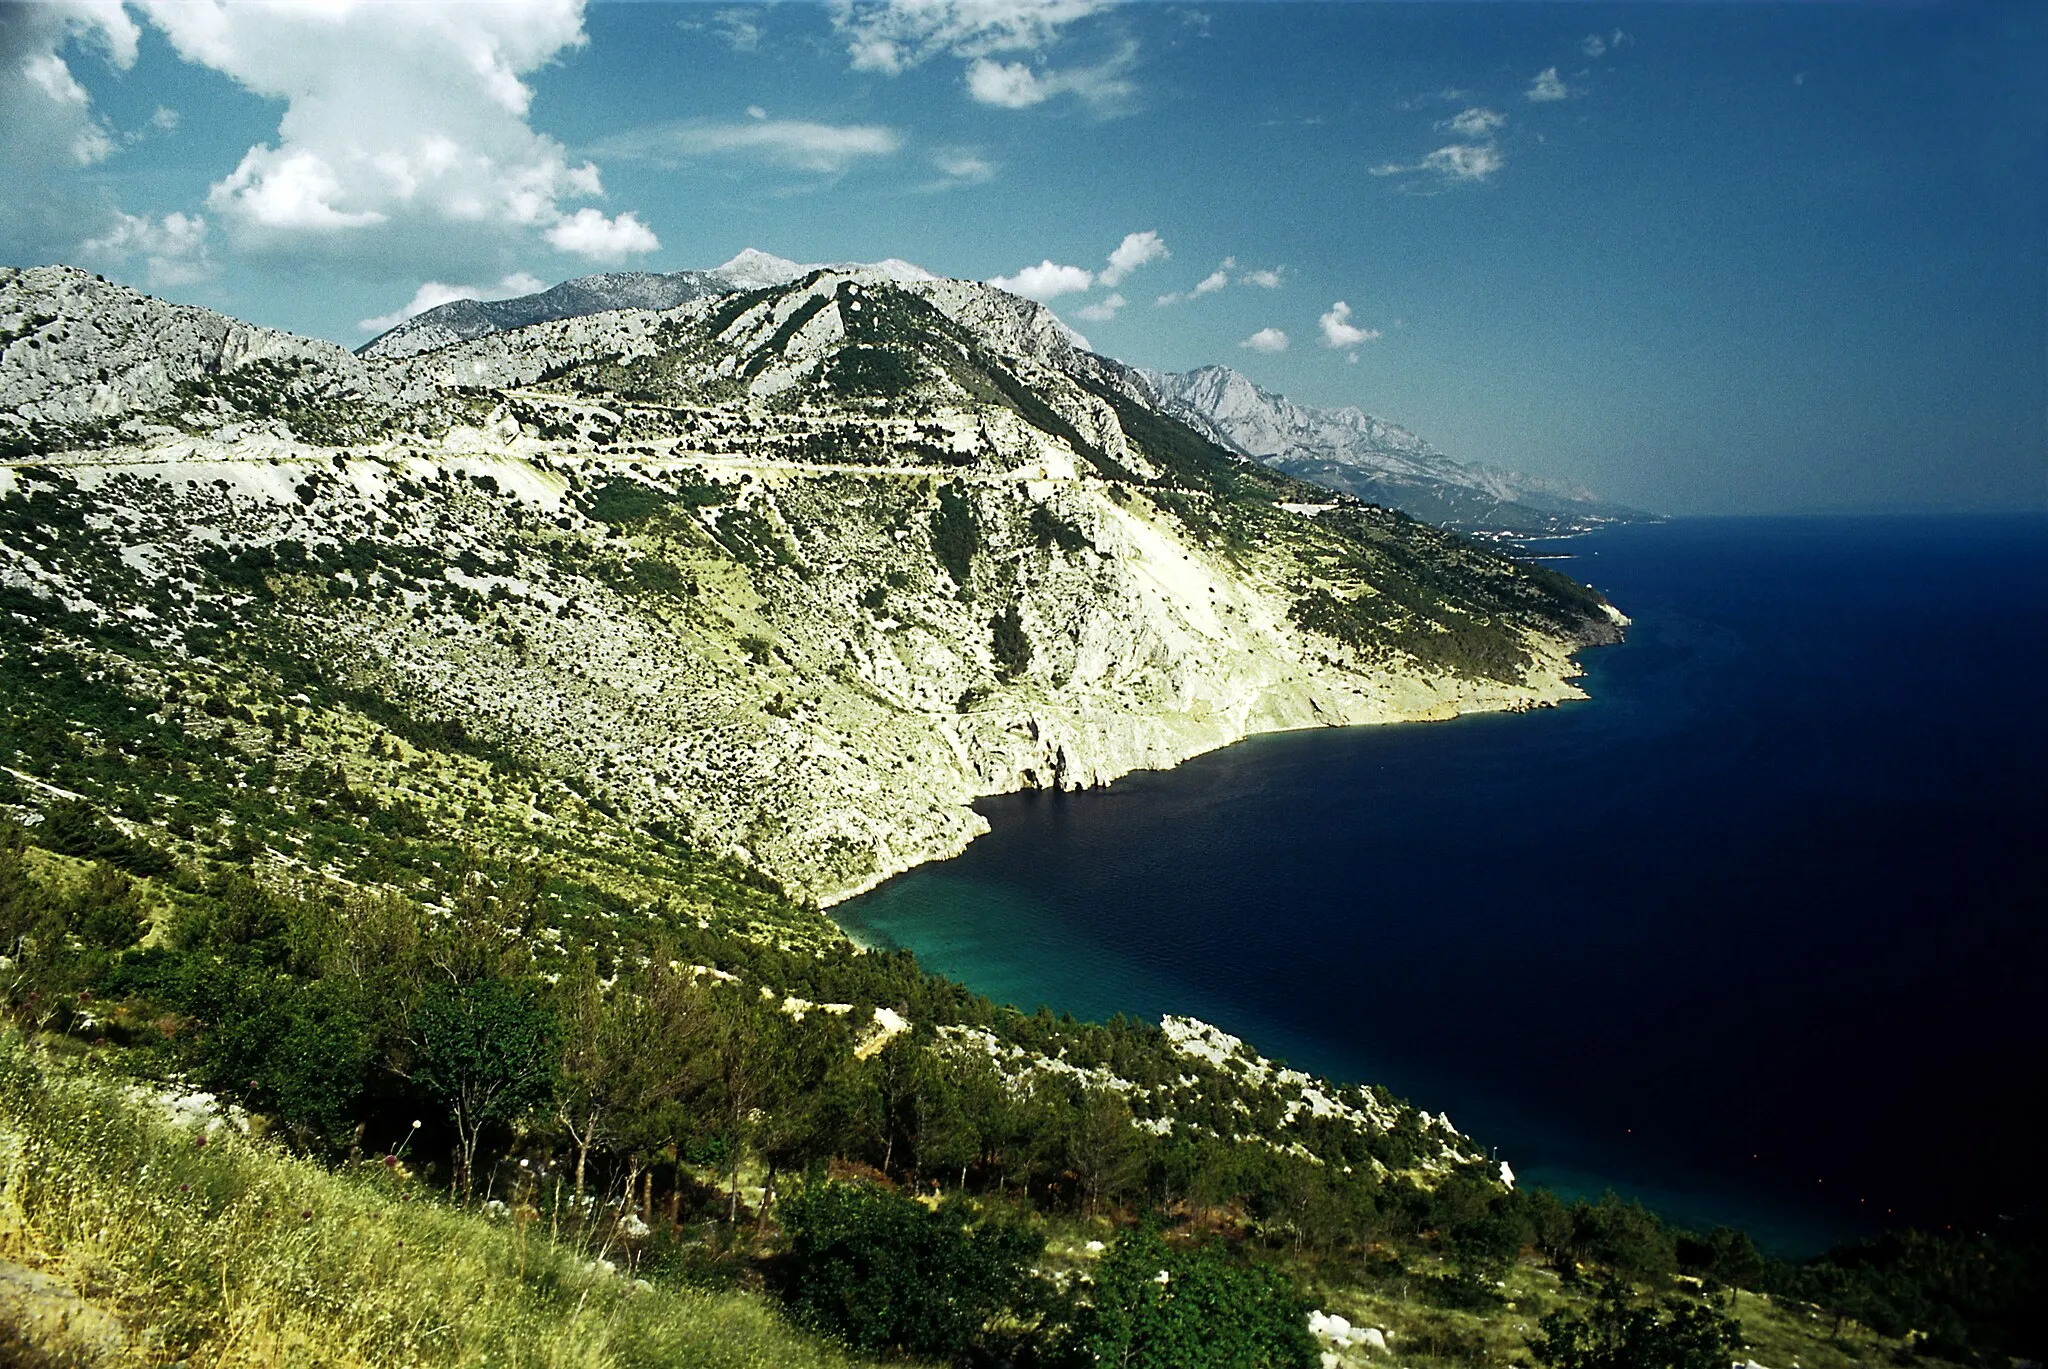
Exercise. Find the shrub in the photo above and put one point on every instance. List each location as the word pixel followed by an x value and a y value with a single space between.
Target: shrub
pixel 890 1275
pixel 1154 1307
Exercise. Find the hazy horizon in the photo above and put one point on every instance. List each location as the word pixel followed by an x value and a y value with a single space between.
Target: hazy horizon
pixel 1703 260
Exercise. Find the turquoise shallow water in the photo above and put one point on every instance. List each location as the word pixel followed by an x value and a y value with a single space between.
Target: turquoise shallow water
pixel 1751 935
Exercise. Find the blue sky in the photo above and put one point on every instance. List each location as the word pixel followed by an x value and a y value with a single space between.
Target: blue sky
pixel 1704 258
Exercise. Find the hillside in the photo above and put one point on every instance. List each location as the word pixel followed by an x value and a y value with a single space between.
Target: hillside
pixel 798 572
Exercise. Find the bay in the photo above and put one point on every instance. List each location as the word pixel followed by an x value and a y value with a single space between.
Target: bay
pixel 1753 935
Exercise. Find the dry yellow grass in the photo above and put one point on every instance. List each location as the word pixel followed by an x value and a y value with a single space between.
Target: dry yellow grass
pixel 218 1250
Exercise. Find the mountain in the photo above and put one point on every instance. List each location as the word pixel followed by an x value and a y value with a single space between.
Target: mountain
pixel 800 571
pixel 464 319
pixel 1350 450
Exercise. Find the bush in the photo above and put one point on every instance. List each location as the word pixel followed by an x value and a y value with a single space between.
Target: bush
pixel 890 1275
pixel 1154 1307
pixel 1675 1334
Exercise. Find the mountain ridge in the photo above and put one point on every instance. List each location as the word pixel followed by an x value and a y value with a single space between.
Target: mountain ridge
pixel 464 320
pixel 1350 450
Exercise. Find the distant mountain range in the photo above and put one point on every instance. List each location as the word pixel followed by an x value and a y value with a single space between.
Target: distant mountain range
pixel 1350 450
pixel 464 320
pixel 1346 450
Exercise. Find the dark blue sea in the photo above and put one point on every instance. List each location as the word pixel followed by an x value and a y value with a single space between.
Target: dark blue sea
pixel 1756 934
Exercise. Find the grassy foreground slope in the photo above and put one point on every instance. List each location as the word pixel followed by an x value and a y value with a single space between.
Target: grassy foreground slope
pixel 216 1249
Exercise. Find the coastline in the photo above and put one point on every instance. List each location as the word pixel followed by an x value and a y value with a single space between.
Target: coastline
pixel 1551 680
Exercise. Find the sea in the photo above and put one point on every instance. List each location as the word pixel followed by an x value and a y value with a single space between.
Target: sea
pixel 1754 935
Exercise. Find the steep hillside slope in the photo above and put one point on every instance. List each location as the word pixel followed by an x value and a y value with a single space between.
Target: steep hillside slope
pixel 797 572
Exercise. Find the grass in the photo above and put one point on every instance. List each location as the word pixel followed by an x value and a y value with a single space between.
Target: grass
pixel 219 1249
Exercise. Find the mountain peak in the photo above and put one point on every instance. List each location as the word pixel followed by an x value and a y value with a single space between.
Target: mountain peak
pixel 754 269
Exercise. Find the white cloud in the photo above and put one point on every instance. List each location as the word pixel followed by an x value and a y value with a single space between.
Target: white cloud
pixel 165 119
pixel 1340 331
pixel 740 29
pixel 1136 250
pixel 1548 86
pixel 957 167
pixel 433 294
pixel 895 35
pixel 173 248
pixel 1015 85
pixel 1211 283
pixel 48 115
pixel 756 112
pixel 588 233
pixel 1266 278
pixel 1475 123
pixel 1046 281
pixel 799 144
pixel 1456 164
pixel 1465 161
pixel 1102 310
pixel 1266 340
pixel 1593 45
pixel 404 127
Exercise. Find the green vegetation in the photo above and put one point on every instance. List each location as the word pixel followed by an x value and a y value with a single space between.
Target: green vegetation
pixel 956 532
pixel 222 1249
pixel 1010 644
pixel 1618 1334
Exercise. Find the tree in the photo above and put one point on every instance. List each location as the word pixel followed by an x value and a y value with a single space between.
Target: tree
pixel 1103 1147
pixel 107 913
pixel 487 1050
pixel 1615 1334
pixel 1151 1306
pixel 1010 644
pixel 626 1057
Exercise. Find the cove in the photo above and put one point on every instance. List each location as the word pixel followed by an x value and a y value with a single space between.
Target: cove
pixel 1752 935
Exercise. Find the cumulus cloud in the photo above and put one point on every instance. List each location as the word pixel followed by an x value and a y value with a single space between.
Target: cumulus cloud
pixel 1136 250
pixel 588 233
pixel 48 115
pixel 433 294
pixel 1266 340
pixel 1266 277
pixel 1102 310
pixel 1475 123
pixel 1046 281
pixel 1548 86
pixel 798 144
pixel 400 122
pixel 1339 331
pixel 173 249
pixel 1593 45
